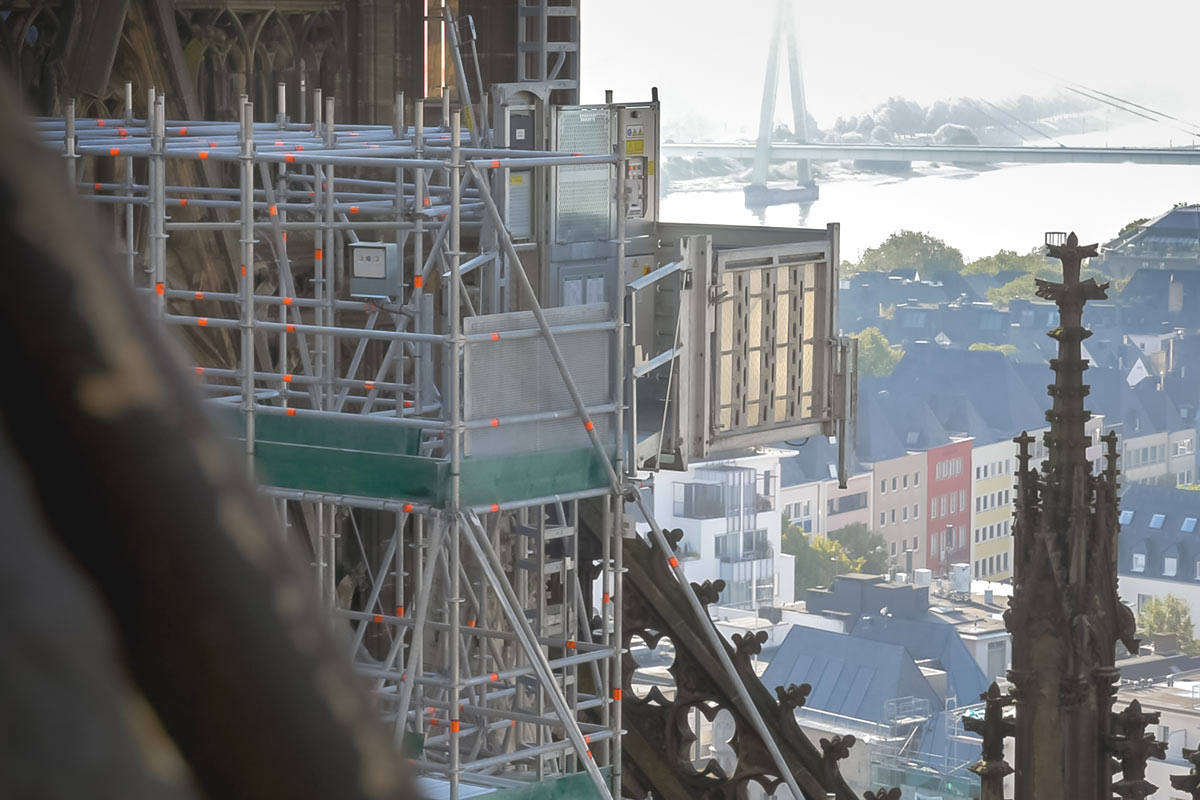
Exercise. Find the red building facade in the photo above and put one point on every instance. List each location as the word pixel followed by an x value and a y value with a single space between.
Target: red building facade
pixel 948 530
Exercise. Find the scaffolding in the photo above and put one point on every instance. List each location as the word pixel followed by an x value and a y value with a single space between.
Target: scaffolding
pixel 454 448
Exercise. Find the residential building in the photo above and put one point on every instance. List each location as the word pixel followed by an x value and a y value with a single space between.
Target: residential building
pixel 1159 546
pixel 809 495
pixel 949 520
pixel 992 493
pixel 729 514
pixel 1181 456
pixel 898 503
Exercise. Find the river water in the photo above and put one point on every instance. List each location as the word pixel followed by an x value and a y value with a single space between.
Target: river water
pixel 979 212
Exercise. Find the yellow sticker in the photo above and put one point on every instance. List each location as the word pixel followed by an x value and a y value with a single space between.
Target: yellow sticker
pixel 516 180
pixel 635 147
pixel 650 168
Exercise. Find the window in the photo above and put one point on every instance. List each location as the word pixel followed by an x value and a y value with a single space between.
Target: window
pixel 977 471
pixel 977 536
pixel 883 486
pixel 1126 517
pixel 1006 562
pixel 916 544
pixel 904 483
pixel 991 564
pixel 1006 491
pixel 904 513
pixel 1198 570
pixel 976 569
pixel 916 479
pixel 916 510
pixel 1183 478
pixel 1157 520
pixel 893 484
pixel 893 548
pixel 1169 566
pixel 726 545
pixel 943 505
pixel 1007 468
pixel 1184 447
pixel 1142 601
pixel 1139 563
pixel 1189 525
pixel 953 503
pixel 933 508
pixel 882 518
pixel 979 504
pixel 893 516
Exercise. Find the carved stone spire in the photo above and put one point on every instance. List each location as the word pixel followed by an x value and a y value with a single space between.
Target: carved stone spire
pixel 994 728
pixel 1065 616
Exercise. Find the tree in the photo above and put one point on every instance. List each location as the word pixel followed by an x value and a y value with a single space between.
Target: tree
pixel 911 250
pixel 876 356
pixel 1169 615
pixel 818 560
pixel 1007 349
pixel 863 546
pixel 1017 287
pixel 1137 223
pixel 1008 260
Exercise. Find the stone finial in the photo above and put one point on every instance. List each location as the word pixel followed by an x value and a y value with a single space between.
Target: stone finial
pixel 793 696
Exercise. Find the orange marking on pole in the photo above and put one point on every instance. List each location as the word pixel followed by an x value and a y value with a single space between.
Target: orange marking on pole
pixel 408 403
pixel 589 754
pixel 606 598
pixel 272 211
pixel 377 618
pixel 441 216
pixel 212 144
pixel 100 122
pixel 454 726
pixel 369 385
pixel 203 154
pixel 587 740
pixel 112 151
pixel 470 623
pixel 495 423
pixel 243 270
pixel 310 194
pixel 353 209
pixel 576 155
pixel 287 378
pixel 427 202
pixel 495 163
pixel 494 677
pixel 571 644
pixel 407 508
pixel 284 235
pixel 291 159
pixel 279 143
pixel 318 254
pixel 287 301
pixel 373 146
pixel 495 337
pixel 588 426
pixel 291 412
pixel 399 611
pixel 512 723
pixel 122 132
pixel 299 147
pixel 418 281
pixel 183 201
pixel 199 295
pixel 183 131
pixel 616 695
pixel 290 328
pixel 354 133
pixel 495 507
pixel 433 722
pixel 199 370
pixel 202 321
pixel 159 288
pixel 96 186
pixel 674 562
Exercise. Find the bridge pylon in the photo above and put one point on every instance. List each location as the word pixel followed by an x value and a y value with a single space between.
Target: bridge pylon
pixel 783 34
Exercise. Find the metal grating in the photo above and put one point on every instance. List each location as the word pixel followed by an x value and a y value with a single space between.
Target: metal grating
pixel 584 193
pixel 769 332
pixel 512 377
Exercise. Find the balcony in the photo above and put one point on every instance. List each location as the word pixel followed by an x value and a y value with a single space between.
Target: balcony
pixel 757 553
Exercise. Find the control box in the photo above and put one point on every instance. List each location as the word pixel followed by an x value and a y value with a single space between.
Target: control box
pixel 374 269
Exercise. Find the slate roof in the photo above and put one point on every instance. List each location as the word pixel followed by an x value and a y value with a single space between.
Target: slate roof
pixel 850 675
pixel 1155 522
pixel 937 641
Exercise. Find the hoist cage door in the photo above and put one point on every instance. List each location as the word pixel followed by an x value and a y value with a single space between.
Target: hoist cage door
pixel 774 349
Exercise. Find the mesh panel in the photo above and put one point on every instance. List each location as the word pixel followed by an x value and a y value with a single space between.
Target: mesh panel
pixel 761 327
pixel 583 192
pixel 510 377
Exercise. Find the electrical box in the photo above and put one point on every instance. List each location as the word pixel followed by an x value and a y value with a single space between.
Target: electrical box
pixel 374 269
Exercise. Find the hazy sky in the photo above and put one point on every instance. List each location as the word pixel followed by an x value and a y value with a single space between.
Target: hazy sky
pixel 708 56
